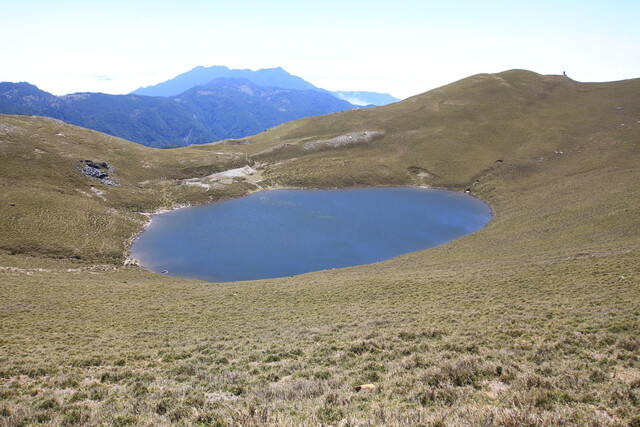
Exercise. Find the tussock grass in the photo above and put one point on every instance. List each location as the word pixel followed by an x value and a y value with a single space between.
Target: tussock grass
pixel 530 321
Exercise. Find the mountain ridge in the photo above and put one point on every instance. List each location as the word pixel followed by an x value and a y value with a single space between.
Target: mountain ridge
pixel 228 112
pixel 198 76
pixel 270 77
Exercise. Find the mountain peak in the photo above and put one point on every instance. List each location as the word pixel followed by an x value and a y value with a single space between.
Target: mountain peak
pixel 276 77
pixel 198 76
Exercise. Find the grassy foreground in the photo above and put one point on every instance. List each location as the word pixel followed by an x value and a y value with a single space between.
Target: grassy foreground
pixel 533 320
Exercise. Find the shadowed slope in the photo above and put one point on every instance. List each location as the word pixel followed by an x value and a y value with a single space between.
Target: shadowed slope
pixel 220 109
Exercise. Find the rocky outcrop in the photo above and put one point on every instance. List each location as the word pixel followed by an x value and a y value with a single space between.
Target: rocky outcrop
pixel 99 171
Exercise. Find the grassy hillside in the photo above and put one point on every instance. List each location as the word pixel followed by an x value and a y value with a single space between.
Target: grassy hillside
pixel 531 321
pixel 48 207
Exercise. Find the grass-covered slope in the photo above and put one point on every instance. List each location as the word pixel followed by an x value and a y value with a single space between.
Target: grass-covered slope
pixel 48 207
pixel 530 321
pixel 542 150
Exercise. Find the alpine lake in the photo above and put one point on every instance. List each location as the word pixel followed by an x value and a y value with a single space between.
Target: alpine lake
pixel 277 233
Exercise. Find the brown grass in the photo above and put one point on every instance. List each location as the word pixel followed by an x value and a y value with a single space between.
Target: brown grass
pixel 531 321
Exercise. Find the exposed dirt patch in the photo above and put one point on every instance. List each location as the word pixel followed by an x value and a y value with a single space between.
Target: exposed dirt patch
pixel 495 388
pixel 344 140
pixel 225 177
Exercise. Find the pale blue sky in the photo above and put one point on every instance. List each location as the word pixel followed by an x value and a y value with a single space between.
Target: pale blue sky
pixel 404 47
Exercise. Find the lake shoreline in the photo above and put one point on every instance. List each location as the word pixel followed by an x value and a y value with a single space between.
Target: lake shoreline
pixel 428 222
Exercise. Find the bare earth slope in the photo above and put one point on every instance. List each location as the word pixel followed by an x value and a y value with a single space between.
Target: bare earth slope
pixel 530 321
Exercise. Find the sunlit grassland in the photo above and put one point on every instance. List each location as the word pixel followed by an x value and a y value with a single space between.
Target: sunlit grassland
pixel 533 320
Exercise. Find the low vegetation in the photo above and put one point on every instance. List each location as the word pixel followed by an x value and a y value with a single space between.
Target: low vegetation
pixel 530 321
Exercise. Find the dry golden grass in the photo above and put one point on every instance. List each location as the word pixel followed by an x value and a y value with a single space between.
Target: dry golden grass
pixel 530 321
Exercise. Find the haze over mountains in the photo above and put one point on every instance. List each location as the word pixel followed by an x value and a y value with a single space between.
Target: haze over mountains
pixel 276 77
pixel 201 106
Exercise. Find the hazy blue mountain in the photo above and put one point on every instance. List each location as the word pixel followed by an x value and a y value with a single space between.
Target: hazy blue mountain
pixel 270 77
pixel 155 122
pixel 25 98
pixel 366 98
pixel 238 107
pixel 221 109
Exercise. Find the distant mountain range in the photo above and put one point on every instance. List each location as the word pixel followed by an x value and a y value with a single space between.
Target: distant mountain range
pixel 222 109
pixel 272 77
pixel 201 106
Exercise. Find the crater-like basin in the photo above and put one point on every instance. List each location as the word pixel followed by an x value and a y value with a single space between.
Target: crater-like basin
pixel 278 233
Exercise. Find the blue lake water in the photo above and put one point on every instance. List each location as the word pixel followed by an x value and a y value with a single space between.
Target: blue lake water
pixel 280 233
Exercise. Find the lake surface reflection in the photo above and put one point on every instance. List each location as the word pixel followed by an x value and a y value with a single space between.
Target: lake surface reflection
pixel 280 233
